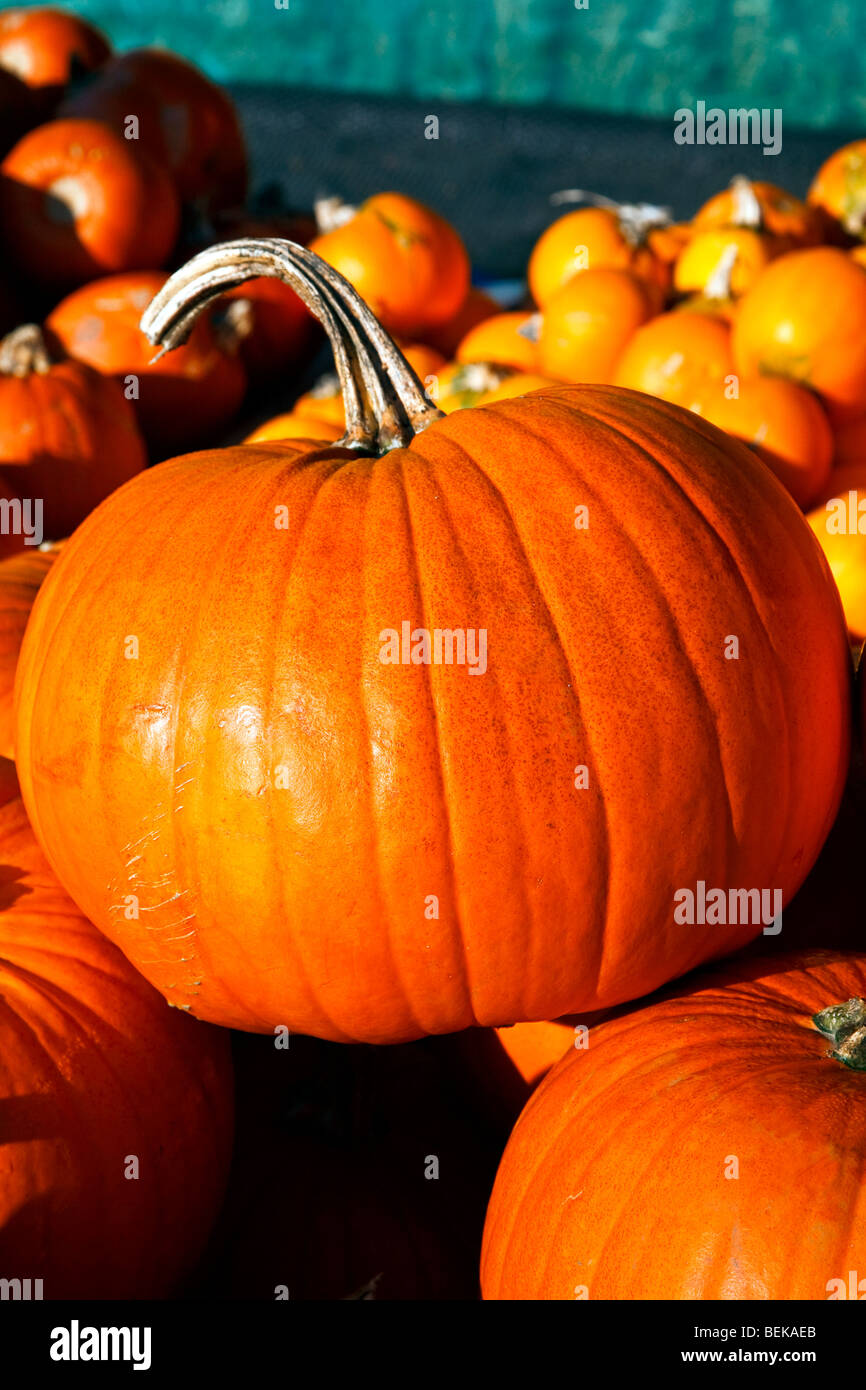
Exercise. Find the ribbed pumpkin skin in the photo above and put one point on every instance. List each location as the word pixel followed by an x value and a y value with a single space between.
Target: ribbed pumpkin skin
pixel 259 662
pixel 614 1177
pixel 20 579
pixel 94 1068
pixel 69 436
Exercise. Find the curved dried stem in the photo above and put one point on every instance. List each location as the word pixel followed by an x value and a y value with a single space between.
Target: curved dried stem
pixel 747 208
pixel 23 351
pixel 636 219
pixel 384 400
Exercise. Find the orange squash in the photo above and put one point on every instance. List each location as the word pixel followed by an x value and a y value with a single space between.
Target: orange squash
pixel 186 123
pixel 460 385
pixel 750 253
pixel 592 238
pixel 117 1111
pixel 839 189
pixel 292 426
pixel 274 330
pixel 684 1188
pixel 68 436
pixel 679 357
pixel 21 577
pixel 508 340
pixel 405 260
pixel 515 384
pixel 805 319
pixel 78 201
pixel 849 441
pixel 587 324
pixel 839 522
pixel 476 307
pixel 784 424
pixel 181 400
pixel 41 46
pixel 444 848
pixel 763 207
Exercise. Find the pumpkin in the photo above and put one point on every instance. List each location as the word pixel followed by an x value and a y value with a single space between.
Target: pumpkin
pixel 679 357
pixel 274 329
pixel 510 340
pixel 839 188
pixel 20 579
pixel 805 319
pixel 411 848
pixel 97 1074
pixel 694 1184
pixel 67 433
pixel 44 47
pixel 78 201
pixel 784 424
pixel 181 399
pixel 763 207
pixel 590 238
pixel 516 384
pixel 476 307
pixel 20 528
pixel 535 1047
pixel 292 426
pixel 849 441
pixel 463 384
pixel 185 122
pixel 839 522
pixel 587 324
pixel 405 260
pixel 715 298
pixel 750 253
pixel 324 401
pixel 359 1173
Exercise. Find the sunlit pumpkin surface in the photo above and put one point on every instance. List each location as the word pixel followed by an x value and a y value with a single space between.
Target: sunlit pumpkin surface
pixel 277 826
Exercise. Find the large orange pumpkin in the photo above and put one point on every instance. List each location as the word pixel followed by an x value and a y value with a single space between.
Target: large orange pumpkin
pixel 184 398
pixel 78 201
pixel 43 46
pixel 20 579
pixel 67 433
pixel 805 318
pixel 185 122
pixel 405 260
pixel 117 1113
pixel 368 841
pixel 740 1112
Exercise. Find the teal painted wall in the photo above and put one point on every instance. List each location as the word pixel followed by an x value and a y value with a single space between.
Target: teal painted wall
pixel 642 57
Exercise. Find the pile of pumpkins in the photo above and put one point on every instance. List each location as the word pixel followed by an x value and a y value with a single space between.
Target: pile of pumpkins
pixel 316 926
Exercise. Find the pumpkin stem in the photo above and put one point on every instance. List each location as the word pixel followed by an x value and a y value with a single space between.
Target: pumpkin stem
pixel 718 284
pixel 845 1026
pixel 23 352
pixel 747 208
pixel 635 219
pixel 331 213
pixel 383 398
